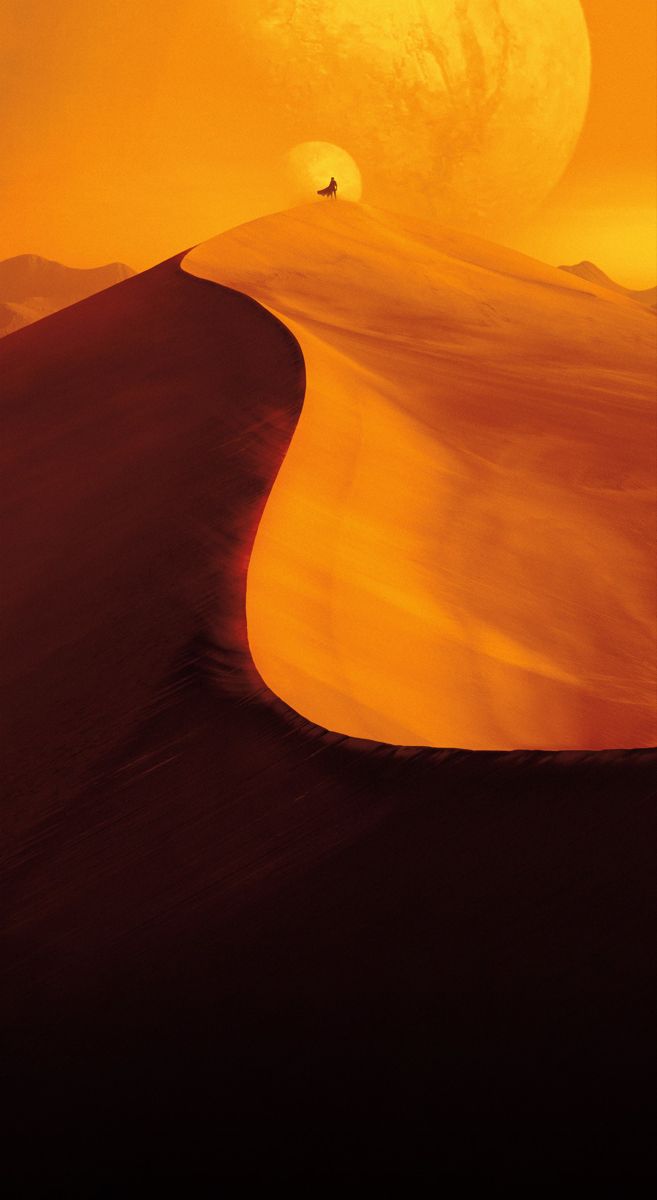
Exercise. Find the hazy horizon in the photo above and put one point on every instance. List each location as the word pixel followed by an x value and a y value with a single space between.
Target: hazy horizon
pixel 129 138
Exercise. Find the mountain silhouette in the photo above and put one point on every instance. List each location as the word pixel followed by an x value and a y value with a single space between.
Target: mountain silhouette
pixel 589 271
pixel 31 287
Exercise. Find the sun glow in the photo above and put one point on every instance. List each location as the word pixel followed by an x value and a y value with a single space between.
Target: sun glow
pixel 310 165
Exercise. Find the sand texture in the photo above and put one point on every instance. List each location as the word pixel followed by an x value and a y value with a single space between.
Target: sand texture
pixel 461 546
pixel 238 946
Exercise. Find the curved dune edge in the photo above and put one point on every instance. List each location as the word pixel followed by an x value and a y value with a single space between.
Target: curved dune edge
pixel 232 935
pixel 459 547
pixel 142 432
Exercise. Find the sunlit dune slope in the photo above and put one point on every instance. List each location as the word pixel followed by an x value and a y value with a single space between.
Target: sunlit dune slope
pixel 460 545
pixel 224 924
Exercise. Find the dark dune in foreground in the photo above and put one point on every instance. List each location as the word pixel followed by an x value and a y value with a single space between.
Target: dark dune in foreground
pixel 238 944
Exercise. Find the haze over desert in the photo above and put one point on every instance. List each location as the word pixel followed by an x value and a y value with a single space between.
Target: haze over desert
pixel 32 287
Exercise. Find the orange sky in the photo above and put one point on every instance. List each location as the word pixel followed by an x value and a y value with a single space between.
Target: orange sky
pixel 605 206
pixel 128 133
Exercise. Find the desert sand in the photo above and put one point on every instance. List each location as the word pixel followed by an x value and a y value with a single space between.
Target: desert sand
pixel 460 548
pixel 237 945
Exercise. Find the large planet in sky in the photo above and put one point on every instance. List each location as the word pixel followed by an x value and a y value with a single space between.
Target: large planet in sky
pixel 467 110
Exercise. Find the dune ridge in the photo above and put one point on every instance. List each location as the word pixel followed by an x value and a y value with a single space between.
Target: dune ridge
pixel 460 546
pixel 238 945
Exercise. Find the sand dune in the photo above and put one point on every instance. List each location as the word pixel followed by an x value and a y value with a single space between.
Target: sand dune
pixel 589 271
pixel 460 547
pixel 112 525
pixel 236 944
pixel 32 287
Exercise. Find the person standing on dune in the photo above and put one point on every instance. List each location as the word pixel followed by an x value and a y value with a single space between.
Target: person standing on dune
pixel 330 192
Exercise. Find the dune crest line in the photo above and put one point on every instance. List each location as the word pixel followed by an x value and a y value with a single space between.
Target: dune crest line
pixel 137 461
pixel 459 548
pixel 218 910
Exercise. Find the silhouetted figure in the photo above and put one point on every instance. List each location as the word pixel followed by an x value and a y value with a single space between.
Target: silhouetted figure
pixel 330 192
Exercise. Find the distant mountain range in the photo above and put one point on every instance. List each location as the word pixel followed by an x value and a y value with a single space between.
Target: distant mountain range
pixel 31 287
pixel 589 271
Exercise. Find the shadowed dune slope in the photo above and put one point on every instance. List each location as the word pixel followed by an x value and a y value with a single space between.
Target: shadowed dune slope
pixel 460 548
pixel 125 422
pixel 236 944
